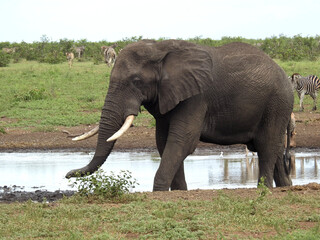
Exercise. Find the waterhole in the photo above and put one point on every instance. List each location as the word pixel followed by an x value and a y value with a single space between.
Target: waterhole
pixel 205 169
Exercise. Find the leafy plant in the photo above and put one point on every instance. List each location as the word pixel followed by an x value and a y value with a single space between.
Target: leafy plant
pixel 263 192
pixel 32 94
pixel 2 130
pixel 4 59
pixel 100 184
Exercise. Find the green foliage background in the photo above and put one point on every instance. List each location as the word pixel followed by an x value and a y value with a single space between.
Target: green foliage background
pixel 281 47
pixel 39 90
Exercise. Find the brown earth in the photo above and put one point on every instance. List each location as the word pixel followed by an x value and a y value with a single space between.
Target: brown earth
pixel 307 129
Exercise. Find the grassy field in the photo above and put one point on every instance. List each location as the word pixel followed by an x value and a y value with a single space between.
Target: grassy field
pixel 225 216
pixel 44 96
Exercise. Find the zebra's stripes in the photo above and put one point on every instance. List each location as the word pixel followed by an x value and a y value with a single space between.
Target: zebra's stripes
pixel 306 86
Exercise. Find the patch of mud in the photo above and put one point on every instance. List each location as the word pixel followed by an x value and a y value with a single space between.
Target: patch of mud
pixel 14 194
pixel 311 189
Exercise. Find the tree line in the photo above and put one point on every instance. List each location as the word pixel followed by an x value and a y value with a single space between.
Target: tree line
pixel 284 48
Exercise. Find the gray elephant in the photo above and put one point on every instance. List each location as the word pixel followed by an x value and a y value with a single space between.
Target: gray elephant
pixel 225 95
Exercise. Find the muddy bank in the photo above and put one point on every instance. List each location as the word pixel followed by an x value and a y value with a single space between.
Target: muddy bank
pixel 307 128
pixel 312 189
pixel 13 194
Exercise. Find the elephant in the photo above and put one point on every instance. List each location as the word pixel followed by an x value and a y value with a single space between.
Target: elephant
pixel 232 94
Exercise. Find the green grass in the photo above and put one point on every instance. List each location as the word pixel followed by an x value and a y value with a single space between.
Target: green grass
pixel 44 96
pixel 225 216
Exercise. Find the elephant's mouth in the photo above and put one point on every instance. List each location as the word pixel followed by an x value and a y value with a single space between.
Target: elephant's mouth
pixel 126 125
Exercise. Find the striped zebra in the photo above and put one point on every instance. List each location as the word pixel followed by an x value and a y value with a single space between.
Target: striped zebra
pixel 306 86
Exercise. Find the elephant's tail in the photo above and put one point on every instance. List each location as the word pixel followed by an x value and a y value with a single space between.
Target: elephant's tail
pixel 287 156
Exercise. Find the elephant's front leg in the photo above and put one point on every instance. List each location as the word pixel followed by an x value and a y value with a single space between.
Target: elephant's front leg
pixel 179 180
pixel 162 128
pixel 185 125
pixel 171 170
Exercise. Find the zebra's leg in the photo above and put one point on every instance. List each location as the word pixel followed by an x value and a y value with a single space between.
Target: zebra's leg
pixel 314 96
pixel 301 102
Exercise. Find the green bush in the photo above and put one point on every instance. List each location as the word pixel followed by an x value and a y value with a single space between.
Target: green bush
pixel 33 94
pixel 283 48
pixel 296 48
pixel 4 59
pixel 102 185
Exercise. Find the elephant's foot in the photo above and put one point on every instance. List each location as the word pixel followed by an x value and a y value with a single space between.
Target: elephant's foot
pixel 281 177
pixel 301 110
pixel 314 108
pixel 157 188
pixel 282 181
pixel 179 185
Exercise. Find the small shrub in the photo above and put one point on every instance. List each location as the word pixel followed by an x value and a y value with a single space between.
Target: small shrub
pixel 263 191
pixel 33 94
pixel 97 59
pixel 4 59
pixel 88 98
pixel 53 58
pixel 2 130
pixel 102 185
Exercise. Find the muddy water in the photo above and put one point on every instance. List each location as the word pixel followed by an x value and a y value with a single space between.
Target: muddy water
pixel 205 169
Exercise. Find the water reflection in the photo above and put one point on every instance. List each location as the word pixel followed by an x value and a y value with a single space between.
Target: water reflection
pixel 205 169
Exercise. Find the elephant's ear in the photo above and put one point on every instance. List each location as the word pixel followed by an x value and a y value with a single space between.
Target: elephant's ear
pixel 186 71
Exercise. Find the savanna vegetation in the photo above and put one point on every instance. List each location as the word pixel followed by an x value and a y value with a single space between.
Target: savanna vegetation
pixel 39 91
pixel 43 96
pixel 46 51
pixel 259 214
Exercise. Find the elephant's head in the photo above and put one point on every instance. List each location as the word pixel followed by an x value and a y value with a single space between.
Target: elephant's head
pixel 156 74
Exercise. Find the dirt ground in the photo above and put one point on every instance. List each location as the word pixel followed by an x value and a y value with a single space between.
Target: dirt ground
pixel 307 129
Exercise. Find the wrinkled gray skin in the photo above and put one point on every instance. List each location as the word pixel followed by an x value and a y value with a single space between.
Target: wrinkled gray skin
pixel 226 95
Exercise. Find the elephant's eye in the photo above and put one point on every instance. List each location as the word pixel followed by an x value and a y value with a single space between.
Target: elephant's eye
pixel 137 81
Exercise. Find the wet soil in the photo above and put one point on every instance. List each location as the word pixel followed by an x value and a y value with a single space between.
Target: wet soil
pixel 307 136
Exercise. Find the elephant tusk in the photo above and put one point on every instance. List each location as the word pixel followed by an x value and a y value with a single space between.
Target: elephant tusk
pixel 127 124
pixel 87 134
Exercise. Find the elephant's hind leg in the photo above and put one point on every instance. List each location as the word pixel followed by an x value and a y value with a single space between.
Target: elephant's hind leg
pixel 270 147
pixel 281 177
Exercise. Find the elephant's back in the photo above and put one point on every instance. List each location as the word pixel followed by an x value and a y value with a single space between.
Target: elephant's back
pixel 236 48
pixel 249 75
pixel 241 60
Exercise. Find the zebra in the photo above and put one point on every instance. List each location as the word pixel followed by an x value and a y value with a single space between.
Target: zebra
pixel 110 56
pixel 306 86
pixel 79 51
pixel 70 57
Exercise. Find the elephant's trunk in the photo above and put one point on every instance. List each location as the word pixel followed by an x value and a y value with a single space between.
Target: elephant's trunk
pixel 110 123
pixel 103 150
